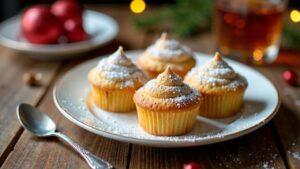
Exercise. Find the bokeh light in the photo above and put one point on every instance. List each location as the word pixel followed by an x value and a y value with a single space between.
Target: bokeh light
pixel 295 16
pixel 257 55
pixel 137 6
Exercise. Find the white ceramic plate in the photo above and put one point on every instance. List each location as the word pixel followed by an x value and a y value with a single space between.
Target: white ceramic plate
pixel 100 27
pixel 71 98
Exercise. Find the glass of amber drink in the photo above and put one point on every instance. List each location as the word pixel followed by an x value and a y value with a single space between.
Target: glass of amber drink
pixel 249 30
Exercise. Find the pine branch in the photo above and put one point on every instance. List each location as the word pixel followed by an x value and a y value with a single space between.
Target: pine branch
pixel 185 16
pixel 291 37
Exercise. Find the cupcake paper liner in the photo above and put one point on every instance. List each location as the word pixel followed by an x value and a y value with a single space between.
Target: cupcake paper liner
pixel 113 100
pixel 169 123
pixel 222 105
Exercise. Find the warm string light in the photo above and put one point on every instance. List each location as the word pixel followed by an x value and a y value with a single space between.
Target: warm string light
pixel 295 16
pixel 137 6
pixel 257 55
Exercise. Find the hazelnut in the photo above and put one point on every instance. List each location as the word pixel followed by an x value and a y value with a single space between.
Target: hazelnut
pixel 32 79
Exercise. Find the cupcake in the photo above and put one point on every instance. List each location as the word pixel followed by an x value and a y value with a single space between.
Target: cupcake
pixel 221 87
pixel 166 52
pixel 166 106
pixel 114 82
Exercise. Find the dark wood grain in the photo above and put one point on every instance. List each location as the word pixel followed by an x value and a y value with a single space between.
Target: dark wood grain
pixel 14 91
pixel 287 120
pixel 32 152
pixel 256 150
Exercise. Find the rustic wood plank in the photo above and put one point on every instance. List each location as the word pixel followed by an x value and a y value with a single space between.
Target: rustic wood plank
pixel 31 152
pixel 256 150
pixel 287 121
pixel 13 91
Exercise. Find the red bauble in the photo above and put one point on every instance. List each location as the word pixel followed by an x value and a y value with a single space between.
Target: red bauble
pixel 40 26
pixel 290 77
pixel 67 9
pixel 75 31
pixel 192 165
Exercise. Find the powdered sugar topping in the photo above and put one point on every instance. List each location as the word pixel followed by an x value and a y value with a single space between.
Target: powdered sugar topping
pixel 169 87
pixel 119 68
pixel 217 72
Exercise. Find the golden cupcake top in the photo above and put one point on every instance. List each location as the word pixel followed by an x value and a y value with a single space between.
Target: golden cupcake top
pixel 166 92
pixel 216 74
pixel 167 49
pixel 117 70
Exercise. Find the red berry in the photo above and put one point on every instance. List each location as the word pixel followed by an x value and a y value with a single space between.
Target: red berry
pixel 67 9
pixel 40 26
pixel 290 77
pixel 192 165
pixel 75 31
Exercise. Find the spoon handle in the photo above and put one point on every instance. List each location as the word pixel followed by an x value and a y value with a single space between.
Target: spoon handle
pixel 93 161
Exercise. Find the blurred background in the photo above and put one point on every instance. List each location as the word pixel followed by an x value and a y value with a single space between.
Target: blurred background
pixel 274 24
pixel 9 8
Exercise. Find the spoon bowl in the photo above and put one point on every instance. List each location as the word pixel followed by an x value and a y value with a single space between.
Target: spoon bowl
pixel 39 124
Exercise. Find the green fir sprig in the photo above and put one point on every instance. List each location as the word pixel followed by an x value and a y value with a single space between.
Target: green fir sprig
pixel 291 37
pixel 185 17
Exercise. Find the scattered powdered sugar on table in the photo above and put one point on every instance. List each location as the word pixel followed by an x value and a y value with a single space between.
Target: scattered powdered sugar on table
pixel 292 152
pixel 290 92
pixel 268 165
pixel 296 155
pixel 265 157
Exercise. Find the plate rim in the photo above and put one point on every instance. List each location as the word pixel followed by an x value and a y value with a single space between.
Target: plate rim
pixel 50 49
pixel 166 143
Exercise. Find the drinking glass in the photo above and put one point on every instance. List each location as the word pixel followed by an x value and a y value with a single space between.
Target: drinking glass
pixel 249 30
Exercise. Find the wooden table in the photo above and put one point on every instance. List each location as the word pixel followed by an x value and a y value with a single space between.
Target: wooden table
pixel 276 145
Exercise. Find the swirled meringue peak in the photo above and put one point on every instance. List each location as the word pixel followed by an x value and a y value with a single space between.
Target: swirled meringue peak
pixel 216 73
pixel 169 78
pixel 120 70
pixel 167 91
pixel 169 50
pixel 119 58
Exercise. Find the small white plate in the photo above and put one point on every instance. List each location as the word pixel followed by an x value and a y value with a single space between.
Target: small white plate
pixel 100 27
pixel 71 98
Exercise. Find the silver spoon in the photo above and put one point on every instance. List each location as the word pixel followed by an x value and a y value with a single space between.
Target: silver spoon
pixel 41 125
